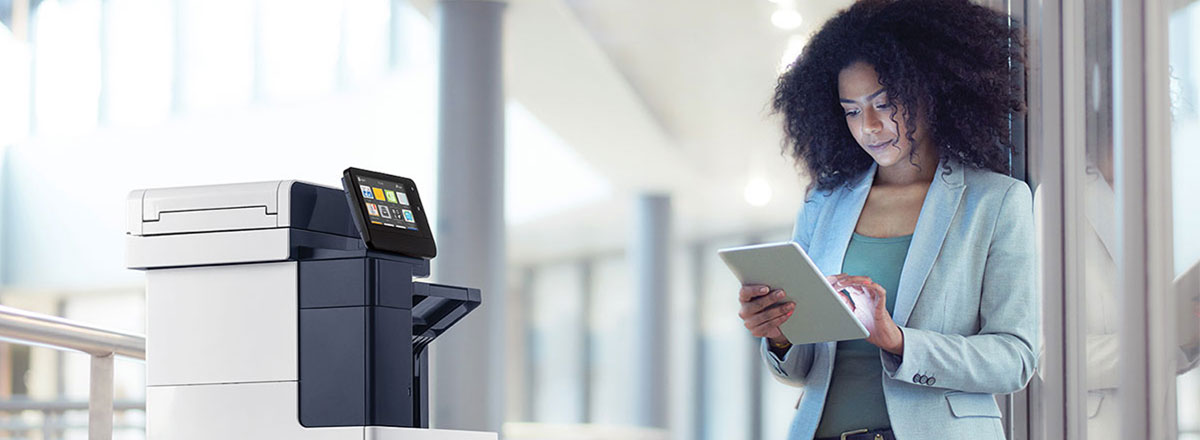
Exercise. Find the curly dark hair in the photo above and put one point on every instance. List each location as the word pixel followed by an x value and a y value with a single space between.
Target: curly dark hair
pixel 955 65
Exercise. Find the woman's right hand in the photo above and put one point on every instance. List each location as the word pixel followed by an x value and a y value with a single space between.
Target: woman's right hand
pixel 764 310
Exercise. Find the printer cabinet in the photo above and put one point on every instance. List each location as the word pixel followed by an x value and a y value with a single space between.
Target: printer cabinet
pixel 356 351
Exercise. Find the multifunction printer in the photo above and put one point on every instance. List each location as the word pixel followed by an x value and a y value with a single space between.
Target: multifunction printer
pixel 275 310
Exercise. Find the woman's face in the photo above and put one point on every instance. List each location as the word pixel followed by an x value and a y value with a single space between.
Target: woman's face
pixel 876 122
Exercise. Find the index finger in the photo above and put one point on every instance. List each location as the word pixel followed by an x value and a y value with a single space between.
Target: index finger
pixel 856 279
pixel 861 281
pixel 751 291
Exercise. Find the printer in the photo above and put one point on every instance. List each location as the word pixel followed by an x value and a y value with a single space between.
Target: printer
pixel 270 317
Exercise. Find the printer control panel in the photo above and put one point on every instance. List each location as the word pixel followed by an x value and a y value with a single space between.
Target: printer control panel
pixel 387 210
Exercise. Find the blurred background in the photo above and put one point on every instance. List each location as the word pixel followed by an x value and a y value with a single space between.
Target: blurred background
pixel 609 106
pixel 605 101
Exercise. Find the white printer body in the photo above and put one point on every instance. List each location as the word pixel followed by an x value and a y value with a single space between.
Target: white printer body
pixel 226 269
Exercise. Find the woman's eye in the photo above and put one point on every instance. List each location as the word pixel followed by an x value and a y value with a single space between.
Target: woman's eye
pixel 883 106
pixel 851 112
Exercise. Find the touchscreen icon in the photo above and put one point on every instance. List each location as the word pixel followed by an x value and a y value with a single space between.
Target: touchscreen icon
pixel 385 211
pixel 371 209
pixel 379 194
pixel 366 190
pixel 403 198
pixel 391 195
pixel 408 216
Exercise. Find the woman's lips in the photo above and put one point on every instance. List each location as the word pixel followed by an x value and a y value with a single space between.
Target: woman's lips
pixel 880 145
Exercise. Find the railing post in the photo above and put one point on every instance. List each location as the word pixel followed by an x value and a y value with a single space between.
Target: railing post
pixel 100 400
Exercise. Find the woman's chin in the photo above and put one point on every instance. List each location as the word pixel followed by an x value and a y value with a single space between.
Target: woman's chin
pixel 886 160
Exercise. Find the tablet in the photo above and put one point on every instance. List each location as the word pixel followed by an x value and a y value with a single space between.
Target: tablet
pixel 388 212
pixel 820 315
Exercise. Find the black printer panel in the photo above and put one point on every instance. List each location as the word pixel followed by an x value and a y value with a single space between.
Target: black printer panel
pixel 356 351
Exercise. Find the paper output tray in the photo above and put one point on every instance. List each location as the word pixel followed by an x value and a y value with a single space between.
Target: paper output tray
pixel 435 308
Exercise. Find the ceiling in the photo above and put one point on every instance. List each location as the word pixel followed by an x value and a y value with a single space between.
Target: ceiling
pixel 666 96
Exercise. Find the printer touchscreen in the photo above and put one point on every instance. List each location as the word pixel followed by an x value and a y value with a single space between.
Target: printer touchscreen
pixel 386 204
pixel 388 212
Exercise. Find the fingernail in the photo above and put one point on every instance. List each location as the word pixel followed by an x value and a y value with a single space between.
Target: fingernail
pixel 763 289
pixel 790 313
pixel 779 294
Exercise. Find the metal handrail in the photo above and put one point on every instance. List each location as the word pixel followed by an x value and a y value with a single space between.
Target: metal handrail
pixel 37 329
pixel 61 334
pixel 19 405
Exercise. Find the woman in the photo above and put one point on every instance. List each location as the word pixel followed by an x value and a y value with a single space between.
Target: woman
pixel 900 110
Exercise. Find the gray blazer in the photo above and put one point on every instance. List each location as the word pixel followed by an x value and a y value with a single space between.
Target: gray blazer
pixel 966 304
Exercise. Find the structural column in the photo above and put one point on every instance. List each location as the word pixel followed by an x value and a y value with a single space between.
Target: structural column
pixel 468 362
pixel 649 250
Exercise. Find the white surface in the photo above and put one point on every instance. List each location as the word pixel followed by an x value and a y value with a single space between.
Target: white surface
pixel 554 431
pixel 208 248
pixel 133 212
pixel 258 411
pixel 222 324
pixel 820 315
pixel 190 198
pixel 158 201
pixel 225 219
pixel 210 208
pixel 232 411
pixel 283 203
pixel 388 433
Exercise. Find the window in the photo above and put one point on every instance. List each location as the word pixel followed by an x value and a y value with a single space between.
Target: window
pixel 300 42
pixel 556 344
pixel 217 54
pixel 728 353
pixel 14 88
pixel 140 55
pixel 613 332
pixel 67 67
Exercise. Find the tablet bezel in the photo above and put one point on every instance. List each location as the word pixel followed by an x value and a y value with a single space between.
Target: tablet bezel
pixel 417 243
pixel 821 315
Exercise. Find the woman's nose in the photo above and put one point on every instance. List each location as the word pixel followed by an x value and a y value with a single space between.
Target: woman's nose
pixel 873 126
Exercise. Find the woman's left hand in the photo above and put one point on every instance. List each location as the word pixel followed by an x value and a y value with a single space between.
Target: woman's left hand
pixel 868 301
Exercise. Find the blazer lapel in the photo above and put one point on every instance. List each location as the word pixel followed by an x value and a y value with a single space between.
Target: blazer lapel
pixel 941 204
pixel 836 237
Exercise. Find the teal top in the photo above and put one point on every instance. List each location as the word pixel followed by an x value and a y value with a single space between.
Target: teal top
pixel 855 399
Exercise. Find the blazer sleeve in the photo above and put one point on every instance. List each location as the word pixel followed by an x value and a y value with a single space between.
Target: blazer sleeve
pixel 793 368
pixel 1002 357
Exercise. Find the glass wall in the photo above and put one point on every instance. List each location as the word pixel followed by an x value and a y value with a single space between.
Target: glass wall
pixel 1184 56
pixel 1099 299
pixel 1140 281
